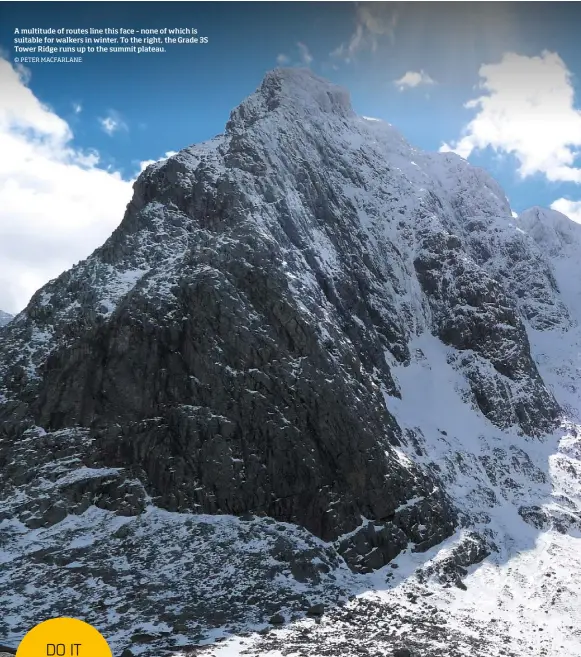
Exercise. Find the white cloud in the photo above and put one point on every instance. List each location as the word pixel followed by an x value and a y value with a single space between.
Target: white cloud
pixel 77 108
pixel 56 204
pixel 570 208
pixel 145 163
pixel 527 109
pixel 413 79
pixel 373 21
pixel 305 55
pixel 112 123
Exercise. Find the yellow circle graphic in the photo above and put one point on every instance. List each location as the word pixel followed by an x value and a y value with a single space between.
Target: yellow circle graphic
pixel 63 637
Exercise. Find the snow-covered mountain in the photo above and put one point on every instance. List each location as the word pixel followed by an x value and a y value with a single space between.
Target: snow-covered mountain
pixel 312 366
pixel 4 318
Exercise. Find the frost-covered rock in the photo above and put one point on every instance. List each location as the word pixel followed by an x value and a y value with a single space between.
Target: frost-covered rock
pixel 309 350
pixel 4 318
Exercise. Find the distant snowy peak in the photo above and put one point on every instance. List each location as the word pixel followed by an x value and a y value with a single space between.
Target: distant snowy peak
pixel 553 231
pixel 5 318
pixel 558 239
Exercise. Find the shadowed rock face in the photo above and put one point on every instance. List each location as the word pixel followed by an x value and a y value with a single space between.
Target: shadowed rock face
pixel 229 401
pixel 229 346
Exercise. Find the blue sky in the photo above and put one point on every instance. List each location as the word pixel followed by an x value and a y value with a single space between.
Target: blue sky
pixel 416 65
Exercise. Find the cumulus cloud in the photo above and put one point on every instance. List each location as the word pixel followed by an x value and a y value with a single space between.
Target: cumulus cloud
pixel 527 109
pixel 112 123
pixel 413 79
pixel 374 20
pixel 56 204
pixel 570 208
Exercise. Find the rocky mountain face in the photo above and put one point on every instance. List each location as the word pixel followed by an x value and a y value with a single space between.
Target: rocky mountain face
pixel 309 350
pixel 4 318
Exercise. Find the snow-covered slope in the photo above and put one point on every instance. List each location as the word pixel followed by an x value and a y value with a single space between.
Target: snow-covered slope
pixel 4 318
pixel 312 365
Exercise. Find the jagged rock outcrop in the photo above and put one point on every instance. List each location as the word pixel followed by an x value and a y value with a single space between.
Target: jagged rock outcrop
pixel 244 369
pixel 231 348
